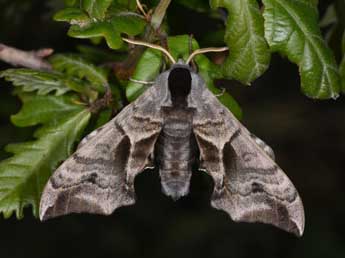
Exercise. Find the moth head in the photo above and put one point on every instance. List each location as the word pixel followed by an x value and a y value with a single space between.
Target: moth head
pixel 181 85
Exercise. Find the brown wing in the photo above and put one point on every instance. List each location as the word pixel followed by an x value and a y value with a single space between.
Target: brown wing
pixel 99 176
pixel 249 185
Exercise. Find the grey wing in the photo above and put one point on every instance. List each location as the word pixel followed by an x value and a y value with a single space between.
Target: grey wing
pixel 99 176
pixel 249 185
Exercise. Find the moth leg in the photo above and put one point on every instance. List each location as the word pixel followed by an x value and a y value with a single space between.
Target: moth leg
pixel 219 184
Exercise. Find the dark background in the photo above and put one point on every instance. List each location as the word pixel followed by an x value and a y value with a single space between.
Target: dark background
pixel 308 137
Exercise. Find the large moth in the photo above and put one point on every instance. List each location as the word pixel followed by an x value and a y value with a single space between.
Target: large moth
pixel 175 125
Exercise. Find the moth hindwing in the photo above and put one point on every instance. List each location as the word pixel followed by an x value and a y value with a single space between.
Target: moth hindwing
pixel 180 123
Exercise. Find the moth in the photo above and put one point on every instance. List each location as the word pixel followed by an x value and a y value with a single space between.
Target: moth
pixel 176 124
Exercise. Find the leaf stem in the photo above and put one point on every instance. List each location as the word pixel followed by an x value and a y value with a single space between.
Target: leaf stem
pixel 159 13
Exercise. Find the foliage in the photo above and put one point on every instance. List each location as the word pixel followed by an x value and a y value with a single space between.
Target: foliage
pixel 23 176
pixel 300 40
pixel 250 55
pixel 74 95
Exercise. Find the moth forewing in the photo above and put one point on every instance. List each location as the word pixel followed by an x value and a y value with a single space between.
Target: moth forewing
pixel 99 176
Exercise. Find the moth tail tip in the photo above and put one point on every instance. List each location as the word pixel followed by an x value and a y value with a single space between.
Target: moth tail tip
pixel 43 215
pixel 298 228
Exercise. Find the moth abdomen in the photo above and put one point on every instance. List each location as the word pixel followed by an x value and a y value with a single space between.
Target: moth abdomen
pixel 175 152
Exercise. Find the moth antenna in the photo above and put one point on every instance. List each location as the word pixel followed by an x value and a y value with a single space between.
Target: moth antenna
pixel 205 50
pixel 154 46
pixel 142 82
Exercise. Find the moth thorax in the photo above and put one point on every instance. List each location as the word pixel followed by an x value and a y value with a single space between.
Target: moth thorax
pixel 179 82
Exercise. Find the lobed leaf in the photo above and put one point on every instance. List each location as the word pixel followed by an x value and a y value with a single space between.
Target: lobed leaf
pixel 23 176
pixel 74 65
pixel 111 30
pixel 96 8
pixel 72 15
pixel 40 81
pixel 44 109
pixel 291 28
pixel 249 54
pixel 94 22
pixel 46 82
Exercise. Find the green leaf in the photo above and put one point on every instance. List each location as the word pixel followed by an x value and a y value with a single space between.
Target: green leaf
pixel 23 176
pixel 128 22
pixel 72 15
pixel 43 109
pixel 46 82
pixel 146 70
pixel 292 30
pixel 179 46
pixel 41 81
pixel 103 117
pixel 111 29
pixel 249 54
pixel 96 8
pixel 98 55
pixel 70 2
pixel 94 30
pixel 342 65
pixel 122 5
pixel 74 65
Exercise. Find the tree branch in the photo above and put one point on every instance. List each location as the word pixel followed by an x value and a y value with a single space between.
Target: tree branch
pixel 29 59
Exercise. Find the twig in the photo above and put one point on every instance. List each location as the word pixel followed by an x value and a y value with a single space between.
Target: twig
pixel 159 13
pixel 101 103
pixel 141 8
pixel 29 59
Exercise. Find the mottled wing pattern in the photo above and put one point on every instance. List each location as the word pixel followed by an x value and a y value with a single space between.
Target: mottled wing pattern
pixel 266 148
pixel 249 186
pixel 99 176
